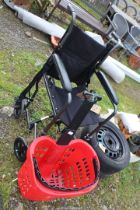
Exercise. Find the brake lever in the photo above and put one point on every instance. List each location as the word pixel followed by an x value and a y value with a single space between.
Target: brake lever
pixel 92 96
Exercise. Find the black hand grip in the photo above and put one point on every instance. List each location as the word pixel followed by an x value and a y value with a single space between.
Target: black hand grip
pixel 70 8
pixel 108 88
pixel 62 73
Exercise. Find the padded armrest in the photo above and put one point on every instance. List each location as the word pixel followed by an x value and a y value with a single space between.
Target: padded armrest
pixel 62 73
pixel 108 88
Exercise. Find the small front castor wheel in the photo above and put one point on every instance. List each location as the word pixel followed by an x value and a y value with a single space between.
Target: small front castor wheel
pixel 20 149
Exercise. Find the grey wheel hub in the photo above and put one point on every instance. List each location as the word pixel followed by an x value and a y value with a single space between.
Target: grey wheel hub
pixel 109 143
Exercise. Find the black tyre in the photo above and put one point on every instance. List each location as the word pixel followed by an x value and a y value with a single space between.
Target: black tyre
pixel 20 149
pixel 111 147
pixel 17 113
pixel 17 108
pixel 1 203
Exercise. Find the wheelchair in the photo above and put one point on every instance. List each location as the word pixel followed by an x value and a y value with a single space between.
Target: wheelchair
pixel 76 58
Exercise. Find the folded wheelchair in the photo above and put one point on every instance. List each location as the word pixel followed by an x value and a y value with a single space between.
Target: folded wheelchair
pixel 69 166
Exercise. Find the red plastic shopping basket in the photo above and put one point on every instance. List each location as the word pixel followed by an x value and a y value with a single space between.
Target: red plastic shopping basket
pixel 58 171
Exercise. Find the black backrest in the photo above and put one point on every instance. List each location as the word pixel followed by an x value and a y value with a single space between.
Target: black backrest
pixel 80 55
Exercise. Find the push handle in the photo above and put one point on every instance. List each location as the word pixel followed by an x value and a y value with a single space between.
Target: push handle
pixel 70 8
pixel 72 23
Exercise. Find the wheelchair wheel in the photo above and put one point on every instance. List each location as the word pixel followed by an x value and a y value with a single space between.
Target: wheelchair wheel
pixel 17 113
pixel 19 107
pixel 111 147
pixel 20 149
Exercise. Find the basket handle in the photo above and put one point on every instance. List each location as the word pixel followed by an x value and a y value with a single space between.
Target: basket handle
pixel 44 183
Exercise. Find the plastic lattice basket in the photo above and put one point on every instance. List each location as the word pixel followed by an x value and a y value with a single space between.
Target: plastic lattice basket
pixel 55 171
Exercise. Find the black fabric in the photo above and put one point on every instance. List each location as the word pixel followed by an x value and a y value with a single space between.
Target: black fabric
pixel 80 55
pixel 59 99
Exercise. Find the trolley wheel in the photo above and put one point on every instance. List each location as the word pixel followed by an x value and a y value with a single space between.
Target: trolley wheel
pixel 17 108
pixel 17 113
pixel 111 147
pixel 20 149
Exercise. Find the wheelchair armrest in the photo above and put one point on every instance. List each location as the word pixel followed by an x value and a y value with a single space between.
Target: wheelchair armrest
pixel 62 73
pixel 108 88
